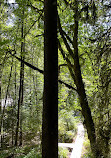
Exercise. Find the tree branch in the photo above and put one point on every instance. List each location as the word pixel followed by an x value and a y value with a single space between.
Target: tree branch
pixel 67 60
pixel 67 85
pixel 64 39
pixel 35 68
pixel 26 63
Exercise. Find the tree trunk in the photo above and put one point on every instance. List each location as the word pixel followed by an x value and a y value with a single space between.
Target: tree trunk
pixel 4 107
pixel 81 91
pixel 50 101
pixel 0 110
pixel 20 100
pixel 0 99
pixel 14 106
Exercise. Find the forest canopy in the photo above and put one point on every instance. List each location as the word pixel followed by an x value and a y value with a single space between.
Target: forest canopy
pixel 57 53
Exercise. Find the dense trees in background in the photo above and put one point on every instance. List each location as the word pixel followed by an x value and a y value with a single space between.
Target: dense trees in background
pixel 28 74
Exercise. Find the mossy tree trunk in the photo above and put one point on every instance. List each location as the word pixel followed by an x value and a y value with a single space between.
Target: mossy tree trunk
pixel 86 112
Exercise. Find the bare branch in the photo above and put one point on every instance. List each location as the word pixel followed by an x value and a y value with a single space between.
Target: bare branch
pixel 26 63
pixel 67 85
pixel 39 70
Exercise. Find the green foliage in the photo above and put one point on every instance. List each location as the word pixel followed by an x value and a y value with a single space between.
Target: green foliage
pixel 3 155
pixel 33 154
pixel 63 152
pixel 67 126
pixel 86 150
pixel 24 152
pixel 95 61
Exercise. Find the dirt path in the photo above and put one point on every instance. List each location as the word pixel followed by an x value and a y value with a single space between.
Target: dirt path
pixel 77 145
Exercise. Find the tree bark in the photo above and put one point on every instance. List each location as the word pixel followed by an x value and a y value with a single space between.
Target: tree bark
pixel 0 84
pixel 0 110
pixel 50 101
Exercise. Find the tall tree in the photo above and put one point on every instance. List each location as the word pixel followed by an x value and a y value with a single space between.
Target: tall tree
pixel 20 100
pixel 0 106
pixel 50 101
pixel 73 62
pixel 86 112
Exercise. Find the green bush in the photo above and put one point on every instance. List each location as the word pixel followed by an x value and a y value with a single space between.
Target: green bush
pixel 69 136
pixel 66 137
pixel 2 155
pixel 33 154
pixel 22 152
pixel 67 127
pixel 63 152
pixel 86 151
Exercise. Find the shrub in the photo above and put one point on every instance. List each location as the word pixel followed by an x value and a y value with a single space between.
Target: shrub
pixel 67 127
pixel 86 151
pixel 33 154
pixel 63 152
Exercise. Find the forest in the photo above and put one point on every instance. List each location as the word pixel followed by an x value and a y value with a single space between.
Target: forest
pixel 55 72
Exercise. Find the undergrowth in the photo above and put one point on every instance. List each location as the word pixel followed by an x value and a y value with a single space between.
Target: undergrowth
pixel 86 150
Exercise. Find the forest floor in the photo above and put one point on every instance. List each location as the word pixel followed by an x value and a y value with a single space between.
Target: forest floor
pixel 77 145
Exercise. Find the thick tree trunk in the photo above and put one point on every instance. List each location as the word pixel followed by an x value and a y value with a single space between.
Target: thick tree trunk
pixel 81 92
pixel 50 102
pixel 0 110
pixel 0 100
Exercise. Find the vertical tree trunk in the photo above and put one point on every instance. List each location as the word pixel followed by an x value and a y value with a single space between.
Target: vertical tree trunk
pixel 0 99
pixel 81 91
pixel 22 86
pixel 15 100
pixel 12 122
pixel 20 100
pixel 4 107
pixel 50 102
pixel 0 109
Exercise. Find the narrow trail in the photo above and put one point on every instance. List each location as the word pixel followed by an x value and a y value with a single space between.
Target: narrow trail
pixel 77 145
